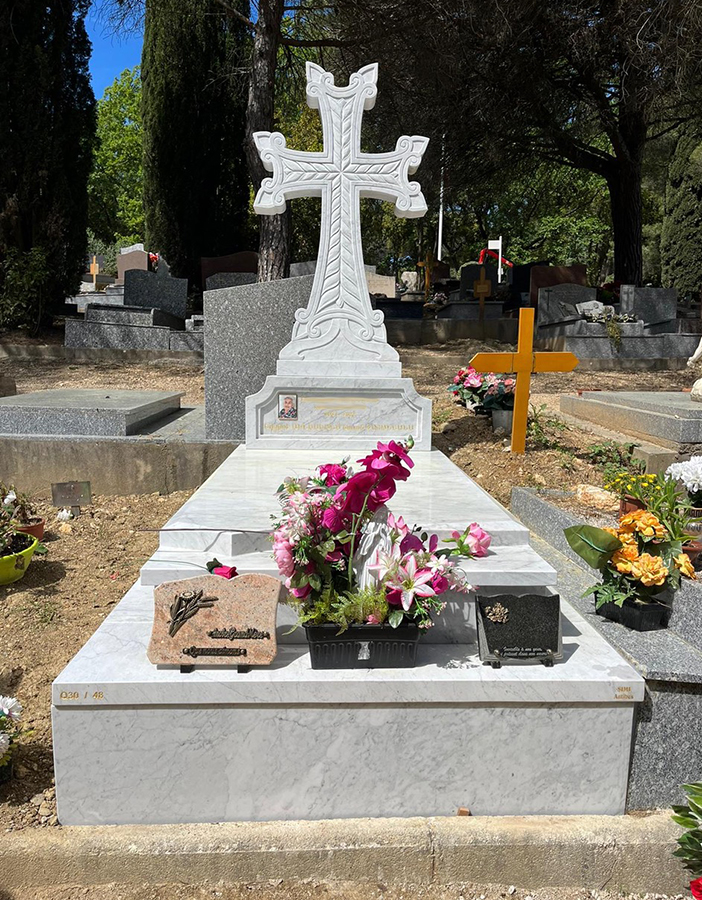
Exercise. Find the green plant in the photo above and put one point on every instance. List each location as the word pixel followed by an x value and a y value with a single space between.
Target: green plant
pixel 614 333
pixel 609 455
pixel 540 427
pixel 20 506
pixel 690 818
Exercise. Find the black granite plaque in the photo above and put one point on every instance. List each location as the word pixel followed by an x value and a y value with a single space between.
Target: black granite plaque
pixel 519 628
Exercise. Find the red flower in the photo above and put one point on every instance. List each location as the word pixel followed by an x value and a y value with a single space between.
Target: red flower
pixel 225 571
pixel 394 597
pixel 696 888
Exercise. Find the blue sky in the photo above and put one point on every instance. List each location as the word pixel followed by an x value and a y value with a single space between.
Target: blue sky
pixel 112 54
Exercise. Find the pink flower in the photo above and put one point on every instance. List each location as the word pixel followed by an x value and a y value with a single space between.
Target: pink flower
pixel 439 583
pixel 225 571
pixel 473 380
pixel 411 542
pixel 394 596
pixel 302 592
pixel 457 379
pixel 478 540
pixel 372 620
pixel 336 474
pixel 397 525
pixel 282 551
pixel 333 519
pixel 412 582
pixel 433 542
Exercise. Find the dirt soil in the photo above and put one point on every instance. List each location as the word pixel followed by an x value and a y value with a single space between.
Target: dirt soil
pixel 314 891
pixel 48 616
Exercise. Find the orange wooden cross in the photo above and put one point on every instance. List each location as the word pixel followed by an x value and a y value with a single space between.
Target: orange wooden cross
pixel 523 362
pixel 94 270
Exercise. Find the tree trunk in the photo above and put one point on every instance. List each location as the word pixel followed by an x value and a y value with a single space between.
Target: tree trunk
pixel 625 200
pixel 274 240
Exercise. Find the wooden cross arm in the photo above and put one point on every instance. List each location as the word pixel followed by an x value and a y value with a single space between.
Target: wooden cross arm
pixel 493 362
pixel 555 362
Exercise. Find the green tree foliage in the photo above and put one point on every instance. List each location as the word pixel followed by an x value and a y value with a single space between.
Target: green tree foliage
pixel 195 178
pixel 681 239
pixel 47 111
pixel 116 187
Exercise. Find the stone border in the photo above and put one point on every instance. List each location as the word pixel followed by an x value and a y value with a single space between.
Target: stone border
pixel 589 852
pixel 77 354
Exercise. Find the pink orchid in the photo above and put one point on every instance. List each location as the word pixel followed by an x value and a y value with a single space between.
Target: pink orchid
pixel 411 542
pixel 478 540
pixel 397 525
pixel 433 542
pixel 336 474
pixel 412 582
pixel 439 582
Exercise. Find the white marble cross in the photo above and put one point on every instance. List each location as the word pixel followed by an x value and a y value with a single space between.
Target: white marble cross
pixel 339 333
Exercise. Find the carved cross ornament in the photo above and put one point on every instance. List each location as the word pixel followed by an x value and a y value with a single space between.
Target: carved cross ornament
pixel 339 328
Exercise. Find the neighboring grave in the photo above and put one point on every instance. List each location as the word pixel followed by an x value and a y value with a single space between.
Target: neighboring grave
pixel 470 273
pixel 230 279
pixel 550 276
pixel 560 303
pixel 654 306
pixel 377 284
pixel 339 371
pixel 158 290
pixel 73 411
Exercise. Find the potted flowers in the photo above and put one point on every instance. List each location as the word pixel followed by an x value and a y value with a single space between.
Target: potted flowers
pixel 363 583
pixel 690 843
pixel 499 400
pixel 640 564
pixel 10 712
pixel 22 511
pixel 16 551
pixel 469 388
pixel 689 474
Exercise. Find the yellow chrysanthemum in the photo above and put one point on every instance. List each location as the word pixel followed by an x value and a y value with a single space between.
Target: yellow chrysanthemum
pixel 642 522
pixel 683 563
pixel 649 570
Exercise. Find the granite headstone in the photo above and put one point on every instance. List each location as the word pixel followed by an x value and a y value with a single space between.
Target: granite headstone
pixel 158 291
pixel 470 273
pixel 549 276
pixel 229 279
pixel 245 329
pixel 653 305
pixel 131 259
pixel 244 261
pixel 559 303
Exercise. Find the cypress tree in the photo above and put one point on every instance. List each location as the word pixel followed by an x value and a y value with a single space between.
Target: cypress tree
pixel 196 188
pixel 47 126
pixel 681 237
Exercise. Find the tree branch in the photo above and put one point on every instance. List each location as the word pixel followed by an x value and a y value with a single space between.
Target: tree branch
pixel 231 11
pixel 321 42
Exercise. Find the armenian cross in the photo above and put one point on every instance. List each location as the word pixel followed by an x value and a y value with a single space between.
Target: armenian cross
pixel 523 362
pixel 339 329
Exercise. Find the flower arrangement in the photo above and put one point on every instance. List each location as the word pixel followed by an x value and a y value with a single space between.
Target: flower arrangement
pixel 660 495
pixel 10 714
pixel 636 485
pixel 690 843
pixel 16 505
pixel 638 560
pixel 348 561
pixel 483 391
pixel 689 473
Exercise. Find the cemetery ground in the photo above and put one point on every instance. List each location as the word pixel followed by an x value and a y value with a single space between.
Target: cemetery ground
pixel 92 561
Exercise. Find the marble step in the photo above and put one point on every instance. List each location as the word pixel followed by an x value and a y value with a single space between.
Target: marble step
pixel 505 566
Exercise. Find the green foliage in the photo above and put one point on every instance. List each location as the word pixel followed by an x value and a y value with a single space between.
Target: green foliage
pixel 196 188
pixel 48 123
pixel 594 545
pixel 613 589
pixel 681 248
pixel 343 609
pixel 116 186
pixel 689 817
pixel 544 429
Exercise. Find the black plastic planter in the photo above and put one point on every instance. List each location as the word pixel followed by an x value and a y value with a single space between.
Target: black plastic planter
pixel 637 616
pixel 363 646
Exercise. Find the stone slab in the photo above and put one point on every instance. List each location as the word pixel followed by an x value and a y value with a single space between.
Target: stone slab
pixel 154 289
pixel 113 314
pixel 669 348
pixel 104 336
pixel 84 411
pixel 581 328
pixel 8 386
pixel 668 418
pixel 181 341
pixel 335 413
pixel 470 310
pixel 381 284
pixel 399 309
pixel 549 276
pixel 195 323
pixel 245 330
pixel 212 621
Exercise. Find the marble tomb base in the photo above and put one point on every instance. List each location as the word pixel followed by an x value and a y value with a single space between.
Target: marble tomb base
pixel 134 743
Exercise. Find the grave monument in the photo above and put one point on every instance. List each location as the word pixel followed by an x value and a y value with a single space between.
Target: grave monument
pixel 137 742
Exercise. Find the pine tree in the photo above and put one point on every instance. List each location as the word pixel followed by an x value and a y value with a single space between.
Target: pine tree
pixel 47 126
pixel 196 187
pixel 681 239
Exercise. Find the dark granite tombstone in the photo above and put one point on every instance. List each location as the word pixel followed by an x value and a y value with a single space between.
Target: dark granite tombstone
pixel 559 303
pixel 229 279
pixel 159 291
pixel 652 305
pixel 521 277
pixel 548 276
pixel 244 261
pixel 470 273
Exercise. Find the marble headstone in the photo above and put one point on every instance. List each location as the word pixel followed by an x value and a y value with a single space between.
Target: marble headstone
pixel 210 620
pixel 338 381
